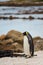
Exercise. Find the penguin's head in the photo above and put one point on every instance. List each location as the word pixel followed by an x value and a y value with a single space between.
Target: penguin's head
pixel 25 33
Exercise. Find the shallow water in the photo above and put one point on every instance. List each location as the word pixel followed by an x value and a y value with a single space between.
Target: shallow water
pixel 13 10
pixel 3 0
pixel 35 27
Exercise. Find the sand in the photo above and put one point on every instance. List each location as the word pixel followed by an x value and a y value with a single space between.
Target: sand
pixel 36 60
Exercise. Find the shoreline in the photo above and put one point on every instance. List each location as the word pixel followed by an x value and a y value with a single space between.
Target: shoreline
pixel 11 18
pixel 21 3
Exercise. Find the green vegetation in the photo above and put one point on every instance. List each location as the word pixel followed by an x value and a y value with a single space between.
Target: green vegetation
pixel 27 0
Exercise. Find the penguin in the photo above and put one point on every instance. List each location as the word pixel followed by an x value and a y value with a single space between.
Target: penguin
pixel 28 45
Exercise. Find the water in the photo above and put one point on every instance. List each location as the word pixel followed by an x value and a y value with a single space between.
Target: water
pixel 3 0
pixel 35 27
pixel 8 11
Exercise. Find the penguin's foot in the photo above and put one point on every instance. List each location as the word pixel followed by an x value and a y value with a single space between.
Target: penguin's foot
pixel 28 56
pixel 25 55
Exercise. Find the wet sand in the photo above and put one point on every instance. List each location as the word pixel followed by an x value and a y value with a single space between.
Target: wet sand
pixel 36 60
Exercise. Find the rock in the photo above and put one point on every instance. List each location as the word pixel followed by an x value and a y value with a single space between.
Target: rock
pixel 40 18
pixel 24 18
pixel 6 53
pixel 2 37
pixel 10 17
pixel 37 38
pixel 6 42
pixel 30 17
pixel 15 35
pixel 17 47
pixel 38 43
pixel 13 40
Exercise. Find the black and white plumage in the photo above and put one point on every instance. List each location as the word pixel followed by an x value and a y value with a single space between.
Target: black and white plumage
pixel 28 44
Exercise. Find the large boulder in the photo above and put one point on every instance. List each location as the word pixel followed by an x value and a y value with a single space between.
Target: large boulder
pixel 2 37
pixel 12 41
pixel 15 35
pixel 38 43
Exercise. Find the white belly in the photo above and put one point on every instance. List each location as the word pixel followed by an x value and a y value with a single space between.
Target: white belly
pixel 26 46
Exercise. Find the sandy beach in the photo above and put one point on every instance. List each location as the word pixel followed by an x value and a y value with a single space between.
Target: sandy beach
pixel 36 60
